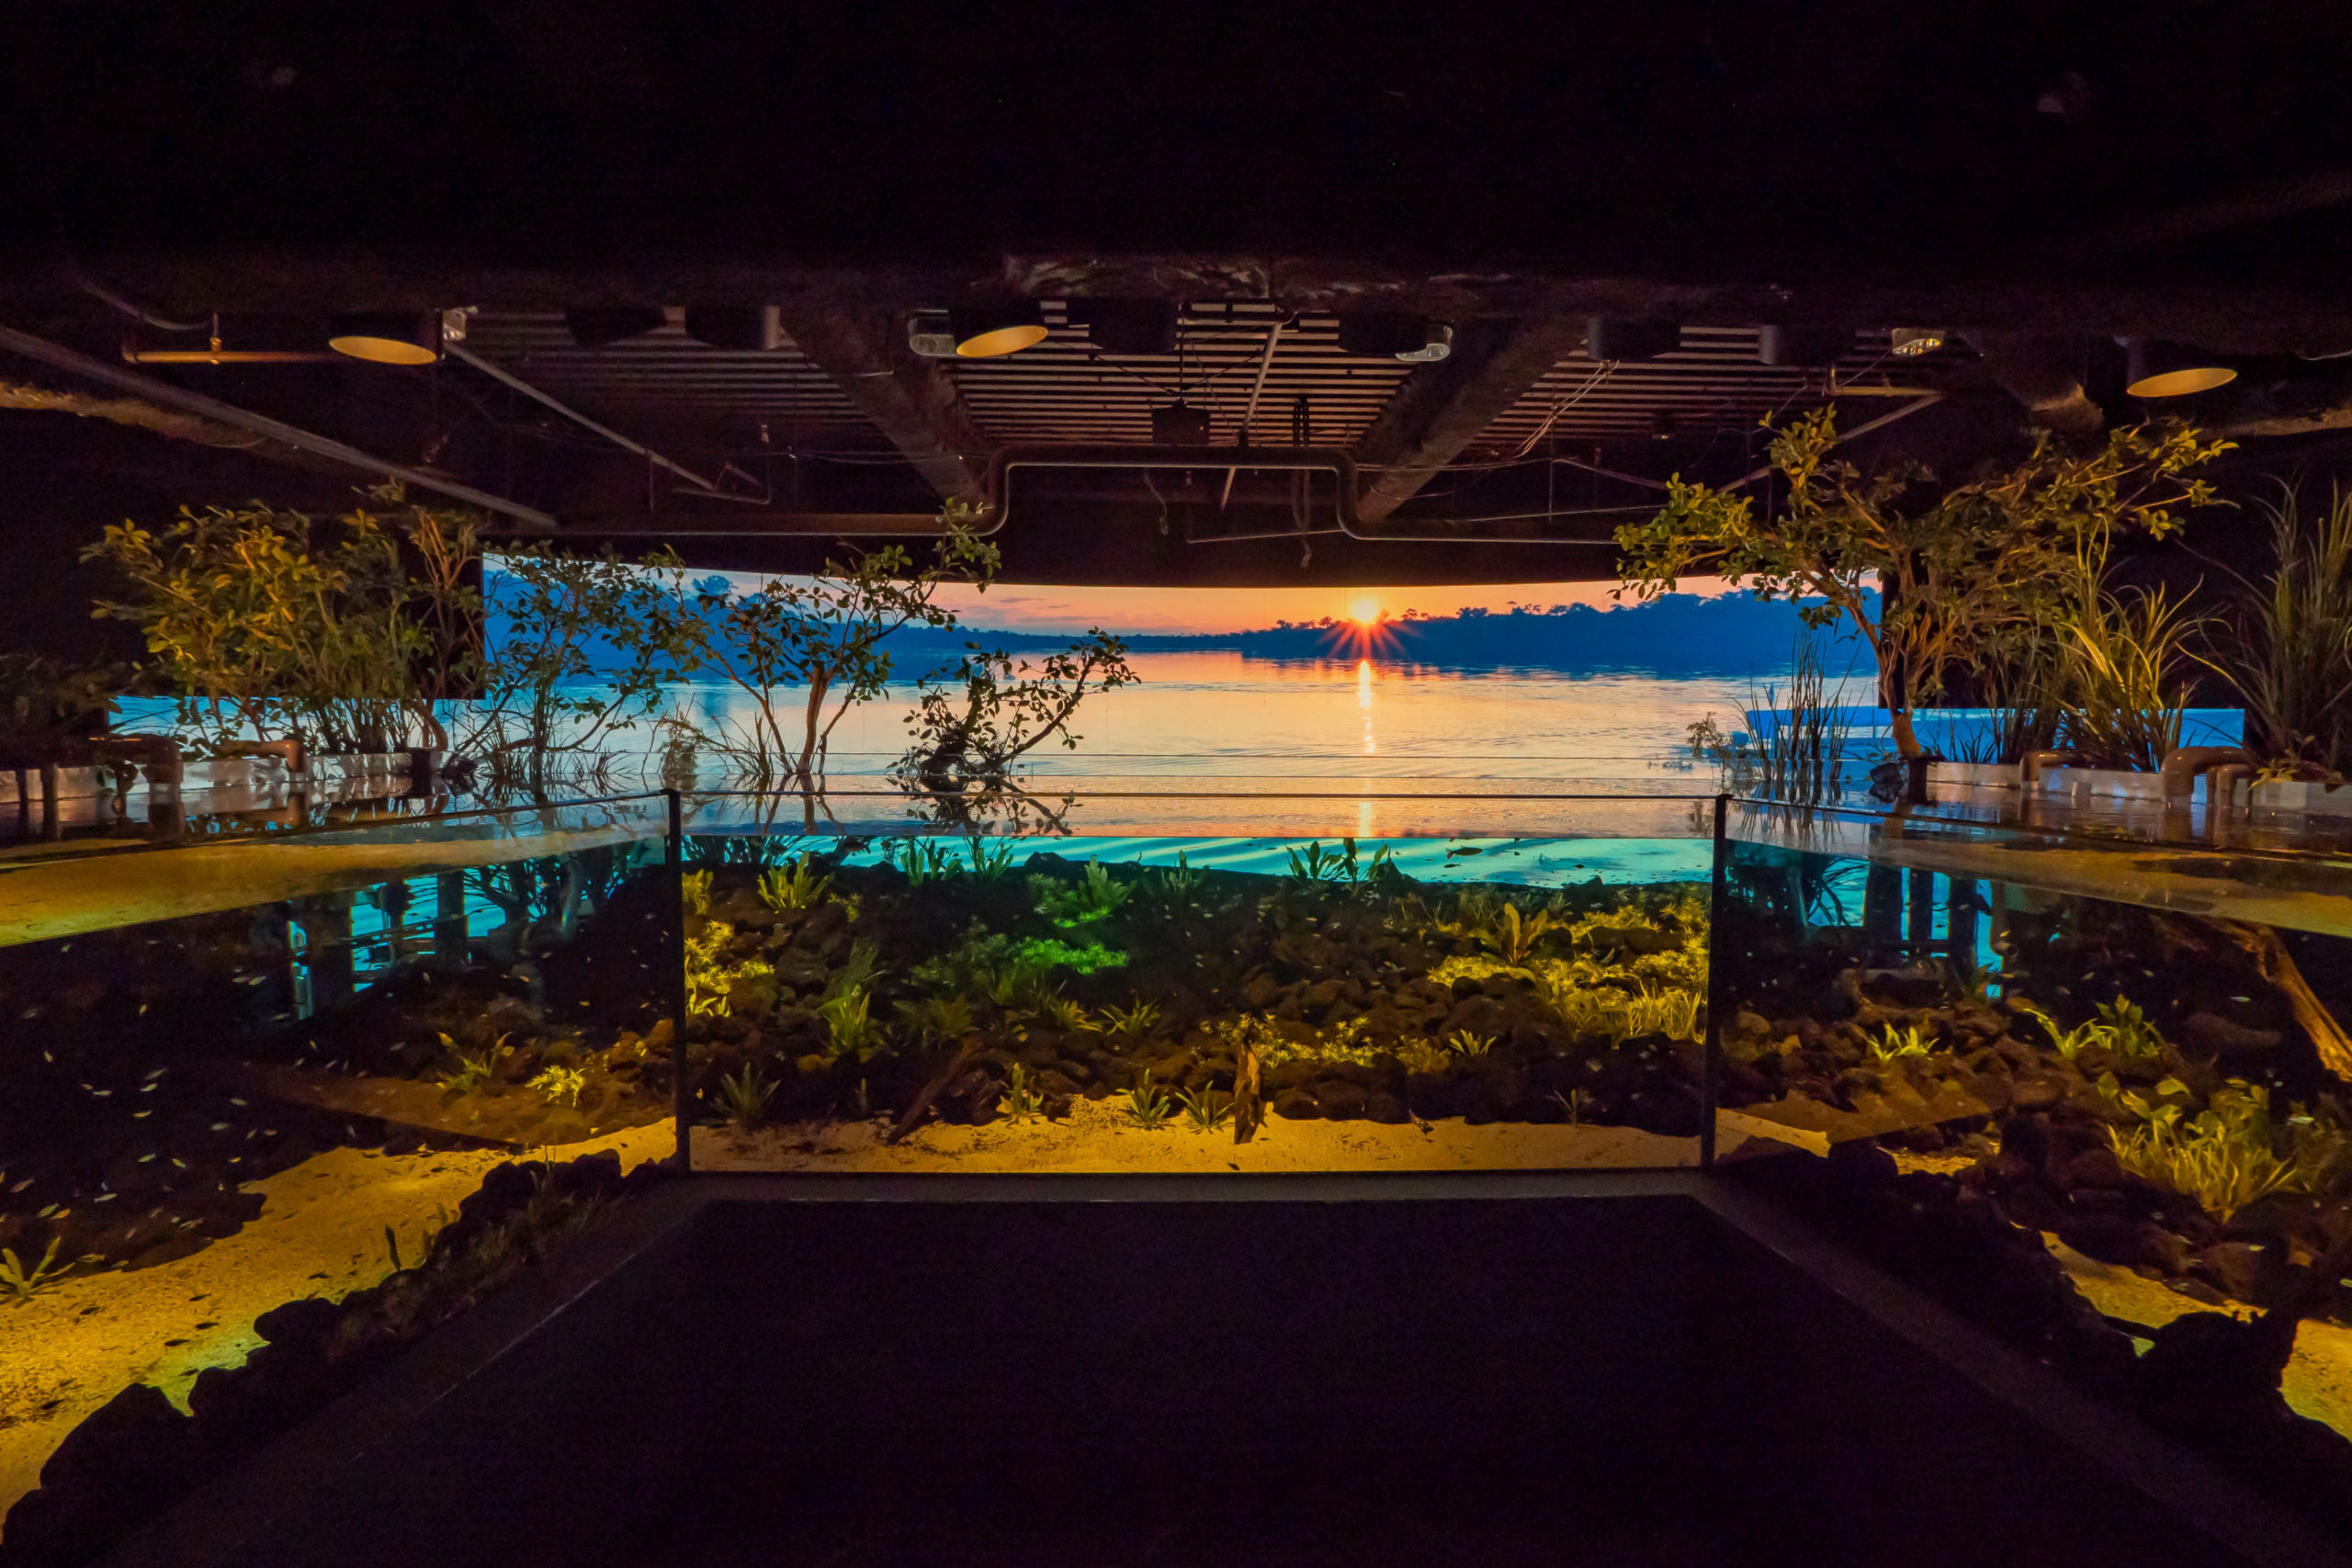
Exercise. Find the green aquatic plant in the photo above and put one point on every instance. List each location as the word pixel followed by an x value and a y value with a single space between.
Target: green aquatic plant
pixel 1894 1045
pixel 937 1019
pixel 922 859
pixel 693 887
pixel 744 1096
pixel 1063 1013
pixel 1341 1042
pixel 471 1072
pixel 23 1285
pixel 1674 1014
pixel 2225 1157
pixel 1096 895
pixel 849 1025
pixel 1423 1056
pixel 560 1086
pixel 2121 1028
pixel 798 888
pixel 1148 1108
pixel 1021 1100
pixel 1575 1102
pixel 1463 1042
pixel 710 979
pixel 986 862
pixel 1207 1109
pixel 2292 660
pixel 1316 867
pixel 1168 890
pixel 1511 937
pixel 1130 1023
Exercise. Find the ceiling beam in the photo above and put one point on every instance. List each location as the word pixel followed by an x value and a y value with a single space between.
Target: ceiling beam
pixel 1441 409
pixel 863 346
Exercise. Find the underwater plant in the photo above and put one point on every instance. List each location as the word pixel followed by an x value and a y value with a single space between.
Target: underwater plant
pixel 1893 1044
pixel 693 887
pixel 472 1072
pixel 799 888
pixel 1207 1110
pixel 1575 1102
pixel 1423 1056
pixel 744 1096
pixel 1094 897
pixel 1510 936
pixel 1318 867
pixel 1674 1014
pixel 710 980
pixel 23 1286
pixel 1130 1023
pixel 1148 1108
pixel 1172 888
pixel 986 862
pixel 1063 1013
pixel 1021 1100
pixel 921 861
pixel 560 1086
pixel 850 1026
pixel 2121 1028
pixel 937 1020
pixel 2226 1156
pixel 1463 1042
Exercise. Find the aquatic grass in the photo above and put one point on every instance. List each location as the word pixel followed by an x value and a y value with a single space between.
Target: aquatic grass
pixel 2120 675
pixel 921 861
pixel 1575 1102
pixel 1511 937
pixel 1171 889
pixel 1674 1014
pixel 1021 1100
pixel 1423 1056
pixel 1894 1045
pixel 850 1028
pixel 1095 896
pixel 744 1096
pixel 937 1020
pixel 1148 1108
pixel 1464 1043
pixel 2227 1156
pixel 1064 1014
pixel 23 1285
pixel 1130 1023
pixel 472 1072
pixel 1316 867
pixel 989 862
pixel 2292 660
pixel 560 1086
pixel 1207 1110
pixel 798 888
pixel 693 887
pixel 2121 1028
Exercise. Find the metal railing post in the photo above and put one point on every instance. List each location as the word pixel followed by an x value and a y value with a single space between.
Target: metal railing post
pixel 680 1097
pixel 1712 1053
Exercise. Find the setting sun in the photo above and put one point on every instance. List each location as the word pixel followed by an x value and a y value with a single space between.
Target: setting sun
pixel 1364 611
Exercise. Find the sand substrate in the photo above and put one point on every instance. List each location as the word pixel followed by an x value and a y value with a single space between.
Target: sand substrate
pixel 319 1233
pixel 1098 1138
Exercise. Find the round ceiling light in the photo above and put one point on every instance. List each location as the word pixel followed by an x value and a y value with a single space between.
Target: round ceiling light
pixel 2155 369
pixel 387 337
pixel 984 332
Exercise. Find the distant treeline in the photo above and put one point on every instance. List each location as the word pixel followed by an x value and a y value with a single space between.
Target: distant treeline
pixel 1681 633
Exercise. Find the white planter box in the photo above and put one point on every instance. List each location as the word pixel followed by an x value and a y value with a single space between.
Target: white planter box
pixel 2108 784
pixel 1974 776
pixel 2299 794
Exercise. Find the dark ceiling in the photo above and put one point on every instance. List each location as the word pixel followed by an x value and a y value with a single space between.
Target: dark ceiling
pixel 2033 180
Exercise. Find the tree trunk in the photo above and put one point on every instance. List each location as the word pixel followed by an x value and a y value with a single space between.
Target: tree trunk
pixel 1906 744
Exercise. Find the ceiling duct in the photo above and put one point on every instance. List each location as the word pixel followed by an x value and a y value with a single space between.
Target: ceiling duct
pixel 1384 334
pixel 1127 326
pixel 1618 338
pixel 1784 347
pixel 1179 424
pixel 595 326
pixel 746 327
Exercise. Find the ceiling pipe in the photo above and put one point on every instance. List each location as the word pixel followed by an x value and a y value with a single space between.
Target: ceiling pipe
pixel 505 377
pixel 2045 374
pixel 72 361
pixel 1265 363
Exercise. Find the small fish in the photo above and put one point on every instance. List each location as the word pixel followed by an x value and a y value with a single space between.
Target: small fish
pixel 20 1186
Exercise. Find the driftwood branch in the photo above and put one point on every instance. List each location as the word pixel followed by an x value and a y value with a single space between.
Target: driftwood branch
pixel 2278 966
pixel 1249 1102
pixel 934 1089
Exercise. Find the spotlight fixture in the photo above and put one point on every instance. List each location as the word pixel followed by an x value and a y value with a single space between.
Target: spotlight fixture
pixel 2155 369
pixel 1912 342
pixel 1179 424
pixel 1616 338
pixel 984 332
pixel 387 337
pixel 1385 335
pixel 1785 346
pixel 1127 326
pixel 595 326
pixel 755 327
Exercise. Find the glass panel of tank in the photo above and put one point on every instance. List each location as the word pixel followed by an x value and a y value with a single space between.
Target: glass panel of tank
pixel 1204 983
pixel 234 1075
pixel 2133 1049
